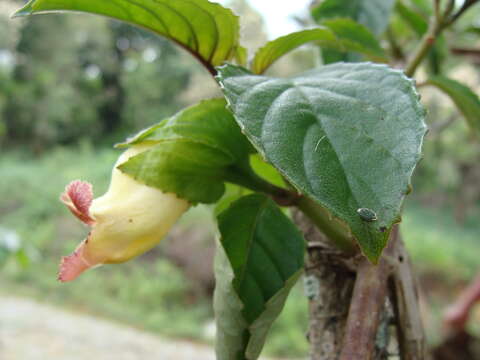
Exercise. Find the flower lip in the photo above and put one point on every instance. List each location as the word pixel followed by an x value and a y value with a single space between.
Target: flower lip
pixel 78 197
pixel 73 265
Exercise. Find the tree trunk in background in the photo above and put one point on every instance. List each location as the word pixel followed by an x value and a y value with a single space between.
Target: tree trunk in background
pixel 389 311
pixel 111 108
pixel 329 287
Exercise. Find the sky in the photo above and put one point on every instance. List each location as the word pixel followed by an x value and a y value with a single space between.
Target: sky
pixel 276 14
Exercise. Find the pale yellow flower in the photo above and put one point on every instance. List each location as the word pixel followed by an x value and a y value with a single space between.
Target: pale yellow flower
pixel 128 220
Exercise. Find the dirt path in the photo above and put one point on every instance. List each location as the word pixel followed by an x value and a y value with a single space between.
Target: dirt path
pixel 34 331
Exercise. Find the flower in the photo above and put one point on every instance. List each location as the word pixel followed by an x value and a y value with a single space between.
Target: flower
pixel 128 220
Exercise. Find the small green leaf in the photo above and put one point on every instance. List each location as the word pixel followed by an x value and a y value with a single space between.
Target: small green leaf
pixel 416 21
pixel 464 98
pixel 207 30
pixel 258 261
pixel 473 30
pixel 339 34
pixel 356 37
pixel 194 153
pixel 275 49
pixel 241 56
pixel 347 135
pixel 374 14
pixel 423 6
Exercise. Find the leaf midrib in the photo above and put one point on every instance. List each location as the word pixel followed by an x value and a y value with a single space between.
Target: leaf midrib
pixel 251 237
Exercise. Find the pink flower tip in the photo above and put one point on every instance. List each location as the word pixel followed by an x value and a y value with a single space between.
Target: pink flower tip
pixel 73 265
pixel 78 197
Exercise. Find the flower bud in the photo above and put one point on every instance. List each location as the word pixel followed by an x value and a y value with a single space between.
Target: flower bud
pixel 128 220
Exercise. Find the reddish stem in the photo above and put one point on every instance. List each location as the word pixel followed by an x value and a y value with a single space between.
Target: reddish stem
pixel 368 300
pixel 457 315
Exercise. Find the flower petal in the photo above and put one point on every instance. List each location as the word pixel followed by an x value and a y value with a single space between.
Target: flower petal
pixel 73 265
pixel 78 197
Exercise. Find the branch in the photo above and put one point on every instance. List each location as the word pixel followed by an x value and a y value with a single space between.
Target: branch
pixel 436 9
pixel 437 128
pixel 467 4
pixel 457 314
pixel 438 23
pixel 424 47
pixel 405 286
pixel 473 52
pixel 368 300
pixel 395 48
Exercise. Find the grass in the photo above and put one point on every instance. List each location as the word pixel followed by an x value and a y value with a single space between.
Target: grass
pixel 154 294
pixel 438 244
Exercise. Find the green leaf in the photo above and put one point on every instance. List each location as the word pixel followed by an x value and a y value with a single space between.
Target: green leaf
pixel 347 135
pixel 374 14
pixel 464 98
pixel 416 21
pixel 266 171
pixel 356 37
pixel 194 153
pixel 258 261
pixel 473 30
pixel 207 30
pixel 339 34
pixel 208 122
pixel 275 49
pixel 423 6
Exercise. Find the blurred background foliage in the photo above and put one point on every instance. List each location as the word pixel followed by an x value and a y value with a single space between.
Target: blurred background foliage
pixel 72 86
pixel 70 78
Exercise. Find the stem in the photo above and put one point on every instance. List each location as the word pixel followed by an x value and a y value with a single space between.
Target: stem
pixel 368 301
pixel 395 48
pixel 465 51
pixel 424 47
pixel 436 8
pixel 457 314
pixel 437 128
pixel 438 23
pixel 460 12
pixel 336 232
pixel 246 177
pixel 405 289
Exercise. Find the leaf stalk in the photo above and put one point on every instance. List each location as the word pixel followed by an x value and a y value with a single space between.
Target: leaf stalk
pixel 337 232
pixel 246 177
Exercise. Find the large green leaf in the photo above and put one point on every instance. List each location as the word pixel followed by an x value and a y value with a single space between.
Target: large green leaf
pixel 339 34
pixel 259 260
pixel 464 98
pixel 207 30
pixel 347 135
pixel 374 14
pixel 193 153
